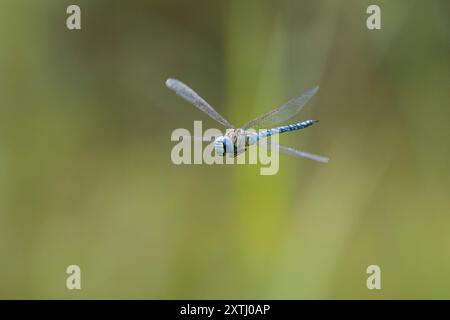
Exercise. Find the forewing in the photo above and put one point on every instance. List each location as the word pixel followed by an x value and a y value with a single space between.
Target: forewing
pixel 191 96
pixel 283 113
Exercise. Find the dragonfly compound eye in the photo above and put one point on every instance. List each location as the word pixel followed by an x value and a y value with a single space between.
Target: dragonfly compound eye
pixel 219 146
pixel 223 145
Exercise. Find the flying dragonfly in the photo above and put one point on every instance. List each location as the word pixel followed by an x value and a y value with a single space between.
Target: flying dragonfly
pixel 237 140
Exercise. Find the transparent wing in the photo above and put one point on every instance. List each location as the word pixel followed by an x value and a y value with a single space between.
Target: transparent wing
pixel 283 113
pixel 296 153
pixel 191 96
pixel 198 138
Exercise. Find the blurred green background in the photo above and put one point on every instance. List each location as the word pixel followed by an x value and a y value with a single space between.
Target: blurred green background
pixel 85 170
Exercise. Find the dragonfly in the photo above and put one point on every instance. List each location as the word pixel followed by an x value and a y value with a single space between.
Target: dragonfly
pixel 237 140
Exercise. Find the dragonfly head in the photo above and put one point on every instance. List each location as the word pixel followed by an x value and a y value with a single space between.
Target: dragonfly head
pixel 223 145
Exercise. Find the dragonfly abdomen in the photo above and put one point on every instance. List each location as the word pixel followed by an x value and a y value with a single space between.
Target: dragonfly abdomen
pixel 290 127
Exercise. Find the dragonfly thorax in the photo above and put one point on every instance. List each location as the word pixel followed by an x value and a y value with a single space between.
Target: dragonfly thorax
pixel 232 143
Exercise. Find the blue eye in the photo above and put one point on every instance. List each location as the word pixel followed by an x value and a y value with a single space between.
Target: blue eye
pixel 223 145
pixel 228 145
pixel 219 146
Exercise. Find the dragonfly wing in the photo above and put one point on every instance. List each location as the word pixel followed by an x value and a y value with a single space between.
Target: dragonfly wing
pixel 198 138
pixel 283 113
pixel 296 153
pixel 191 96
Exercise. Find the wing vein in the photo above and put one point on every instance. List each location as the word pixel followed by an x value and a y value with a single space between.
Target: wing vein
pixel 282 113
pixel 192 97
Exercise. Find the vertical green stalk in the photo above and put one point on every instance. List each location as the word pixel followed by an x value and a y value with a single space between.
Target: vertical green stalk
pixel 254 62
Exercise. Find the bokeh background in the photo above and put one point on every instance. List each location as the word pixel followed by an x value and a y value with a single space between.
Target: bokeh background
pixel 85 170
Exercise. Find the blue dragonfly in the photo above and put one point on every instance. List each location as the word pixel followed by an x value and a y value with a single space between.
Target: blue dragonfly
pixel 236 140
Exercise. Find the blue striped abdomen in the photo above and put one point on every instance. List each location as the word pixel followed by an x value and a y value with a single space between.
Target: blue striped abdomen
pixel 290 127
